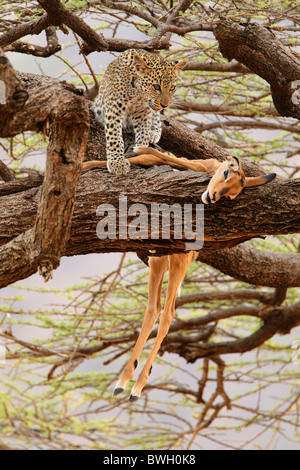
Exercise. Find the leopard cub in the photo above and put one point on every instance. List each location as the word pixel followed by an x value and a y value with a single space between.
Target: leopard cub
pixel 135 88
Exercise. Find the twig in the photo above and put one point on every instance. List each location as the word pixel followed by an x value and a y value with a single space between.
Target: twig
pixel 90 93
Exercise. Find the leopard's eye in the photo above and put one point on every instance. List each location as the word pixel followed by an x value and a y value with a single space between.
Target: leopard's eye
pixel 173 87
pixel 156 86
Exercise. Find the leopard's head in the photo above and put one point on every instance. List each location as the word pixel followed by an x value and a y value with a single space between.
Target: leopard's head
pixel 156 78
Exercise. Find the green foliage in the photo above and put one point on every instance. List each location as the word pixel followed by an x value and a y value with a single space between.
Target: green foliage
pixel 81 345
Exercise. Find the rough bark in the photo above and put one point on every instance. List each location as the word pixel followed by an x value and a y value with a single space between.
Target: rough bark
pixel 59 14
pixel 225 223
pixel 65 116
pixel 258 48
pixel 270 210
pixel 256 267
pixel 6 173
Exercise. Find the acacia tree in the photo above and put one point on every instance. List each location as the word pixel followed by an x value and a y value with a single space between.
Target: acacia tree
pixel 247 107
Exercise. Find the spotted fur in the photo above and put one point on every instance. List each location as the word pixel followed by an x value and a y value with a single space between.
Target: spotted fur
pixel 134 89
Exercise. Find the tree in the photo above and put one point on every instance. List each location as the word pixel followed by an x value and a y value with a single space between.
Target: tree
pixel 248 107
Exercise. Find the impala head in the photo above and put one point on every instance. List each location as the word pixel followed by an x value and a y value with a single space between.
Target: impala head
pixel 229 180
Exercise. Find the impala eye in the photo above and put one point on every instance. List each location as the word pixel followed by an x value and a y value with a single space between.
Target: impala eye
pixel 225 174
pixel 156 87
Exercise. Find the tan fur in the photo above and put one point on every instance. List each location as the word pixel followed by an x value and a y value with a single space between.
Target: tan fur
pixel 177 264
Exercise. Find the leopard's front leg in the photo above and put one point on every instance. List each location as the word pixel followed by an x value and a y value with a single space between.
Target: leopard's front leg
pixel 116 162
pixel 142 122
pixel 156 128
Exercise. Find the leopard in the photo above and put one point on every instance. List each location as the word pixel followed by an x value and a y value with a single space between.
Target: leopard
pixel 135 88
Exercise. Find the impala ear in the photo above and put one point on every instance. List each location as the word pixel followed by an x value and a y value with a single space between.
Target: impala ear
pixel 233 163
pixel 259 180
pixel 140 65
pixel 180 65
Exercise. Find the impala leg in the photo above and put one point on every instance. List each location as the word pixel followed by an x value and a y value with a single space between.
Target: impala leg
pixel 178 266
pixel 158 267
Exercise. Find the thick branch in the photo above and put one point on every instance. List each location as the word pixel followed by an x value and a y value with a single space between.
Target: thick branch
pixel 271 209
pixel 256 267
pixel 60 14
pixel 67 119
pixel 252 213
pixel 45 95
pixel 12 93
pixel 258 49
pixel 64 159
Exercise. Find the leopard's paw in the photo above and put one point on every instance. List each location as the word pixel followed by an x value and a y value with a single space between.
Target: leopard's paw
pixel 154 136
pixel 119 166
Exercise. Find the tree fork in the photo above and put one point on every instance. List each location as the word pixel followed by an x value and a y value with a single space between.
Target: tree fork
pixel 42 246
pixel 258 48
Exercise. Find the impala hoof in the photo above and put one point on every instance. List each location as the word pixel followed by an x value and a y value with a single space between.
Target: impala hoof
pixel 133 398
pixel 118 390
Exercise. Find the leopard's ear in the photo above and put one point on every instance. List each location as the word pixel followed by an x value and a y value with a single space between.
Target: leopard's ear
pixel 180 65
pixel 140 65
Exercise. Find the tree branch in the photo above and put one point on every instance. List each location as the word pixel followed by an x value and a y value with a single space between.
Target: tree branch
pixel 235 67
pixel 278 320
pixel 60 14
pixel 190 107
pixel 24 29
pixel 67 117
pixel 6 173
pixel 256 267
pixel 52 45
pixel 235 294
pixel 256 124
pixel 226 223
pixel 257 48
